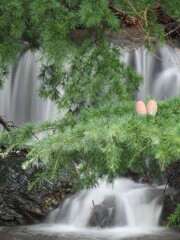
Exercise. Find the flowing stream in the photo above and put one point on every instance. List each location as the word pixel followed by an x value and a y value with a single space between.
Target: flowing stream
pixel 136 207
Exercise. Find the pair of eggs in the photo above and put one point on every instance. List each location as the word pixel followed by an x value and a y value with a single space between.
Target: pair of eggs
pixel 149 108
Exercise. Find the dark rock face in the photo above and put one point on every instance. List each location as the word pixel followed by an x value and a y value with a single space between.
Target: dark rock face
pixel 173 175
pixel 18 205
pixel 171 200
pixel 170 203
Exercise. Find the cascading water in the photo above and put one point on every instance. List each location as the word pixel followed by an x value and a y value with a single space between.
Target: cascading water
pixel 20 102
pixel 134 209
pixel 123 204
pixel 161 71
pixel 131 208
pixel 125 210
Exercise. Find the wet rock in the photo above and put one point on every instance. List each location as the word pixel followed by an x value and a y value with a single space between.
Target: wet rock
pixel 173 175
pixel 18 204
pixel 173 198
pixel 103 215
pixel 170 203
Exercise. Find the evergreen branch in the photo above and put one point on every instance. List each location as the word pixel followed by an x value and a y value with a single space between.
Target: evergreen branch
pixel 141 150
pixel 55 166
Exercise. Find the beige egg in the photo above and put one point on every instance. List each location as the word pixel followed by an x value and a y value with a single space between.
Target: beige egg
pixel 152 107
pixel 141 108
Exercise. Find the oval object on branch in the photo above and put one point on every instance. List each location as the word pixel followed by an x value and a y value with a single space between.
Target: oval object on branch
pixel 152 107
pixel 141 108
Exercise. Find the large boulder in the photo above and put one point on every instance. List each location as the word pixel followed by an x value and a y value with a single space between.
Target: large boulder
pixel 18 204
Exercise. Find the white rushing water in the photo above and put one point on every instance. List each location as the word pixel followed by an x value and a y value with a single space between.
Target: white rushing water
pixel 20 103
pixel 19 99
pixel 160 70
pixel 126 203
pixel 134 207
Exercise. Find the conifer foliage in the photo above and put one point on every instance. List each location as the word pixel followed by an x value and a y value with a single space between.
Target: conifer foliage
pixel 82 67
pixel 101 142
pixel 74 31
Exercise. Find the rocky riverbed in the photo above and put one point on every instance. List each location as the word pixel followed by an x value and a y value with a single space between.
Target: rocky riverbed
pixel 20 206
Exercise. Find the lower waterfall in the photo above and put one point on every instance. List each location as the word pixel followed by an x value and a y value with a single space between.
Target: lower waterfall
pixel 123 204
pixel 133 209
pixel 124 210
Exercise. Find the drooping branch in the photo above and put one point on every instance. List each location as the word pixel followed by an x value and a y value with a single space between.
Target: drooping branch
pixel 5 125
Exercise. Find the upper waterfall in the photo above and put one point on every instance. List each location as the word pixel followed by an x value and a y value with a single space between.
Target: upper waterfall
pixel 20 102
pixel 160 70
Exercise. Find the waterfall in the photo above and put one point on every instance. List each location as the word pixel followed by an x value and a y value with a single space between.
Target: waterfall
pixel 19 101
pixel 127 203
pixel 160 70
pixel 5 96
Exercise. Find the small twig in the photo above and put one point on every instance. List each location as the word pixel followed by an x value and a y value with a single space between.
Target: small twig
pixel 36 136
pixel 166 187
pixel 173 30
pixel 131 48
pixel 137 14
pixel 164 60
pixel 96 215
